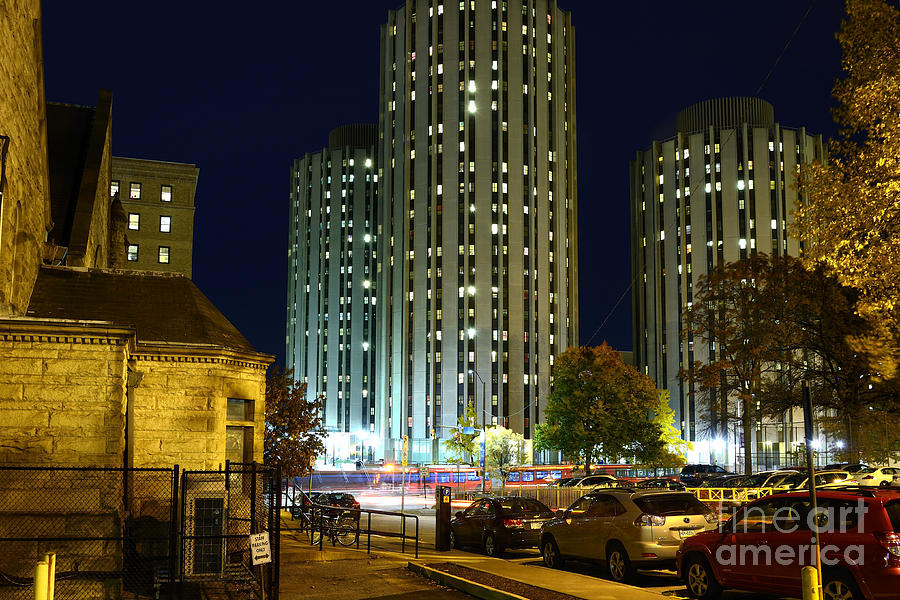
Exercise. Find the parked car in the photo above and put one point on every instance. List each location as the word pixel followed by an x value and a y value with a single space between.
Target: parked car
pixel 570 482
pixel 660 483
pixel 625 529
pixel 824 479
pixel 598 481
pixel 694 475
pixel 721 481
pixel 338 503
pixel 496 524
pixel 880 476
pixel 768 479
pixel 766 543
pixel 849 467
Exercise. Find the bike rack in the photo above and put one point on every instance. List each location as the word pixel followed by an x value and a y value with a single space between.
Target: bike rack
pixel 314 509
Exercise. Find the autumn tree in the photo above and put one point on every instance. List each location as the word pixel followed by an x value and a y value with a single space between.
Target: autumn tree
pixel 463 446
pixel 600 408
pixel 850 221
pixel 675 447
pixel 504 450
pixel 294 432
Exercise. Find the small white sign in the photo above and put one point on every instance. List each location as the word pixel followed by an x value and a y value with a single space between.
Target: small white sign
pixel 260 551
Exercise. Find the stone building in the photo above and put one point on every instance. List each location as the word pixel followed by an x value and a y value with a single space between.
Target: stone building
pixel 99 366
pixel 158 200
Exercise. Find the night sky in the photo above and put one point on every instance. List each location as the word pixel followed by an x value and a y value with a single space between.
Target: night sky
pixel 241 90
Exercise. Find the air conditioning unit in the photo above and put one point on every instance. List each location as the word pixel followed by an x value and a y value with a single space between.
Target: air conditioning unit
pixel 205 514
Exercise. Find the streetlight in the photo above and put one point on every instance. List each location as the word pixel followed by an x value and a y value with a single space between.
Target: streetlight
pixel 483 424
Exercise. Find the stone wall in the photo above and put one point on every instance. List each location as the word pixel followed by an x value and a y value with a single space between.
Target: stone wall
pixel 25 207
pixel 62 393
pixel 180 406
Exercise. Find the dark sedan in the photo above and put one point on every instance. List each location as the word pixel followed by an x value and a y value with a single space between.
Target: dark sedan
pixel 495 524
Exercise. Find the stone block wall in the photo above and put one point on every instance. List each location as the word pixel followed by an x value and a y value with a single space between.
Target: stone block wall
pixel 25 206
pixel 180 406
pixel 62 396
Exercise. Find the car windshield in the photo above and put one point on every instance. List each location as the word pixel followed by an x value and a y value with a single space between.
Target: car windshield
pixel 867 470
pixel 671 504
pixel 794 480
pixel 893 511
pixel 523 505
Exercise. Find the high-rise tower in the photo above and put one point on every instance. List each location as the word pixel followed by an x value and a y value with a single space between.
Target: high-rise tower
pixel 331 285
pixel 477 230
pixel 721 188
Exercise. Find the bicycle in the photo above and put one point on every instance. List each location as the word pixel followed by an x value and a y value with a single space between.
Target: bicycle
pixel 342 529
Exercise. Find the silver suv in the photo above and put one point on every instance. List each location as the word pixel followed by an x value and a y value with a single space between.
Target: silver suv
pixel 625 528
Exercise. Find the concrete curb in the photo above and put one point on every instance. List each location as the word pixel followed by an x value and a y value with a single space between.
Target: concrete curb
pixel 464 585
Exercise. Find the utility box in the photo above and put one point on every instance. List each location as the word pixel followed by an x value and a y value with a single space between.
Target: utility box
pixel 442 511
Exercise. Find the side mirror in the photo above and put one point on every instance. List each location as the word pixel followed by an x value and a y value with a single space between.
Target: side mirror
pixel 459 514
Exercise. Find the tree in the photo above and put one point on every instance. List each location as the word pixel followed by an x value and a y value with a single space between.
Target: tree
pixel 504 450
pixel 850 222
pixel 735 310
pixel 463 446
pixel 600 408
pixel 294 432
pixel 675 448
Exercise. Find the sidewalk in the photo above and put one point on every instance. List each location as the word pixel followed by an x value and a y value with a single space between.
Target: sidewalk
pixel 351 574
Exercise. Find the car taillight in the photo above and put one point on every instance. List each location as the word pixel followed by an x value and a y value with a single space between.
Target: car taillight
pixel 868 477
pixel 891 543
pixel 645 520
pixel 513 523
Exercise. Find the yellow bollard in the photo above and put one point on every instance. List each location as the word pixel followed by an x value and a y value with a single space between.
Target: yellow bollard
pixel 51 574
pixel 41 577
pixel 809 578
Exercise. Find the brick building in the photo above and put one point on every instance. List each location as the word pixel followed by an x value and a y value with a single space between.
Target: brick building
pixel 100 366
pixel 158 200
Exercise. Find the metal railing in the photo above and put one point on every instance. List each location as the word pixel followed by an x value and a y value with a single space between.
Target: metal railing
pixel 322 519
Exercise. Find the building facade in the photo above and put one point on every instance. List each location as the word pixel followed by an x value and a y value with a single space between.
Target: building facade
pixel 158 199
pixel 332 285
pixel 477 244
pixel 722 188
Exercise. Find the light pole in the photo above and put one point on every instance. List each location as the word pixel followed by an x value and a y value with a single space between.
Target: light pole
pixel 483 425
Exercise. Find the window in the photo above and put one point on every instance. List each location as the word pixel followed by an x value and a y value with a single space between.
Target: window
pixel 165 193
pixel 132 252
pixel 239 409
pixel 165 223
pixel 113 187
pixel 134 221
pixel 164 254
pixel 134 192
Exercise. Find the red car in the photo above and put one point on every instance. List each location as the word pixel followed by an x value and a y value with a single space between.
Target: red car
pixel 764 546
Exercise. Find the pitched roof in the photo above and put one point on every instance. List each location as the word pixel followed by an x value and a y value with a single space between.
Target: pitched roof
pixel 163 307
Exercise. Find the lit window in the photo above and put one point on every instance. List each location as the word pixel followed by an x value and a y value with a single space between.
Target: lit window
pixel 113 187
pixel 132 252
pixel 165 224
pixel 165 193
pixel 134 221
pixel 134 192
pixel 164 254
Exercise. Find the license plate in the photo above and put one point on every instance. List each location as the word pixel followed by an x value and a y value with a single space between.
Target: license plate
pixel 536 525
pixel 686 532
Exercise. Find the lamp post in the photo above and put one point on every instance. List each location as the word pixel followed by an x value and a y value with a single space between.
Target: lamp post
pixel 483 425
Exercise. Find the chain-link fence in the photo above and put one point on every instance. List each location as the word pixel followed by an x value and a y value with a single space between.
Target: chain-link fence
pixel 137 533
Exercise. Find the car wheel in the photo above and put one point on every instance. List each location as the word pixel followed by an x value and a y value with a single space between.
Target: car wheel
pixel 839 586
pixel 884 484
pixel 491 547
pixel 550 553
pixel 618 564
pixel 454 543
pixel 699 579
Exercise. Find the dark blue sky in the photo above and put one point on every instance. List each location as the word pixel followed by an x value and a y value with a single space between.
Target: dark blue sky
pixel 241 91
